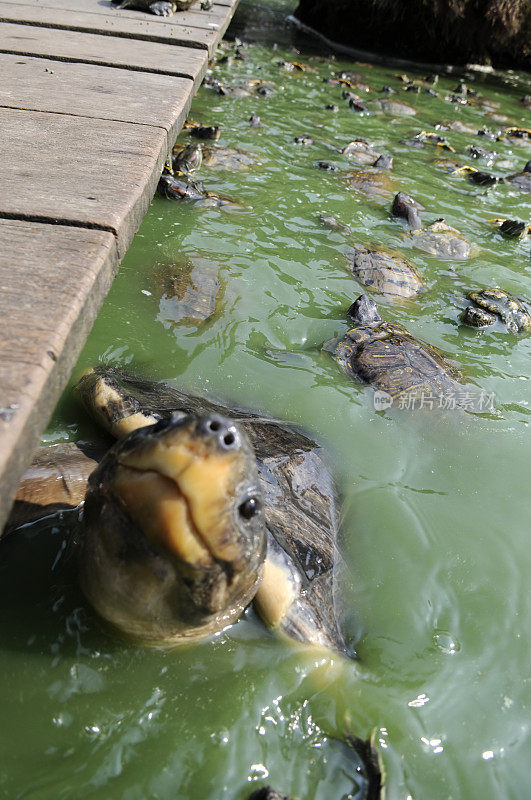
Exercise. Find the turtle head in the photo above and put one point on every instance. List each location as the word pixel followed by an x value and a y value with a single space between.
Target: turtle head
pixel 527 167
pixel 404 206
pixel 175 537
pixel 363 311
pixel 384 162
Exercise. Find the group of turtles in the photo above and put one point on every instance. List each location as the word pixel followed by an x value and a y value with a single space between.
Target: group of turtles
pixel 202 507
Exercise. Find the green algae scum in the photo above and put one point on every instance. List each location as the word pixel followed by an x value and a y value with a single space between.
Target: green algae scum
pixel 435 500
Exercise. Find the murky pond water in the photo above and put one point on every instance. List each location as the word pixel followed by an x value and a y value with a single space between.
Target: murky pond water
pixel 436 504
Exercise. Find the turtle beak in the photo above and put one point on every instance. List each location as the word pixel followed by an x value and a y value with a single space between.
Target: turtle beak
pixel 176 482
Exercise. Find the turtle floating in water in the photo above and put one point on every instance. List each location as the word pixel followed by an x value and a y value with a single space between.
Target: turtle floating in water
pixel 521 180
pixel 437 239
pixel 390 359
pixel 489 306
pixel 182 187
pixel 190 292
pixel 386 272
pixel 512 228
pixel 360 151
pixel 210 156
pixel 300 505
pixel 380 268
pixel 162 8
pixel 376 184
pixel 396 108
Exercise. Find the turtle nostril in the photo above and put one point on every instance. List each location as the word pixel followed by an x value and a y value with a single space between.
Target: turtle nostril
pixel 213 425
pixel 229 439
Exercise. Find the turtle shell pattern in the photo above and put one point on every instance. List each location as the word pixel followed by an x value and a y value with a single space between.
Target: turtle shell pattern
pixel 440 239
pixel 391 359
pixel 386 272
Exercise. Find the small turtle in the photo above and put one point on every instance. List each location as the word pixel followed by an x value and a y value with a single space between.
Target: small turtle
pixel 478 152
pixel 326 166
pixel 181 187
pixel 187 158
pixel 162 8
pixel 190 292
pixel 255 121
pixel 376 184
pixel 492 305
pixel 386 272
pixel 396 108
pixel 522 180
pixel 211 156
pixel 334 224
pixel 305 140
pixel 512 228
pixel 200 131
pixel 477 176
pixel 391 359
pixel 457 126
pixel 360 152
pixel 438 238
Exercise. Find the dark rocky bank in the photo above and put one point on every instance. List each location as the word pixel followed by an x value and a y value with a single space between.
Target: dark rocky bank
pixel 494 32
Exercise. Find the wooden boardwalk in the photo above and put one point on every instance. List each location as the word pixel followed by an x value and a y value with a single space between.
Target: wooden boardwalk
pixel 91 100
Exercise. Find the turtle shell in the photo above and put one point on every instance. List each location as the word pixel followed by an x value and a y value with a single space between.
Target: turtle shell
pixel 190 292
pixel 386 272
pixel 391 359
pixel 397 108
pixel 440 239
pixel 372 183
pixel 510 310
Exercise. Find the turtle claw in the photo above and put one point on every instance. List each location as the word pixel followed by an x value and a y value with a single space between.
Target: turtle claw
pixel 162 8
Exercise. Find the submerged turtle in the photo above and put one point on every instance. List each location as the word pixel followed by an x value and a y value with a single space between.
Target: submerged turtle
pixel 522 180
pixel 190 292
pixel 396 108
pixel 391 359
pixel 296 595
pixel 386 272
pixel 376 184
pixel 360 151
pixel 494 305
pixel 162 8
pixel 437 239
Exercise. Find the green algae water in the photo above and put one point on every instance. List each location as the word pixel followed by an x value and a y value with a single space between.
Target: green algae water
pixel 436 504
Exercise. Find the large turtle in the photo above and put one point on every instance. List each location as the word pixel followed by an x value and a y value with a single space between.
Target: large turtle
pixel 162 8
pixel 397 108
pixel 392 360
pixel 297 592
pixel 376 184
pixel 489 306
pixel 360 151
pixel 436 239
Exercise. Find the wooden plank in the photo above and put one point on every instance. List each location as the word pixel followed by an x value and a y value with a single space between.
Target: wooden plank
pixel 93 91
pixel 194 18
pixel 53 280
pixel 90 172
pixel 128 27
pixel 184 62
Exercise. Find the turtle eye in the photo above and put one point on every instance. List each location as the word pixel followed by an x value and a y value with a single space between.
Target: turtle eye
pixel 249 508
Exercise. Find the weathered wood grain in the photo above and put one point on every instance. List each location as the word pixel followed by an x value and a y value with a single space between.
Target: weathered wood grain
pixel 88 90
pixel 90 172
pixel 91 48
pixel 53 280
pixel 149 29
